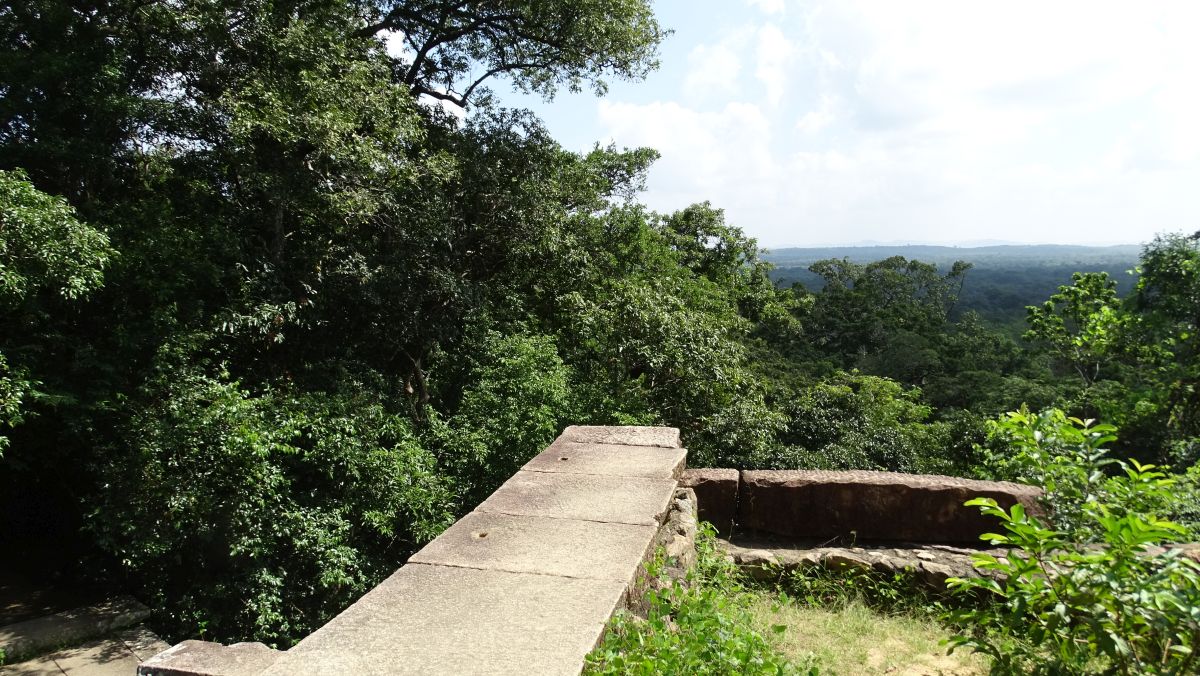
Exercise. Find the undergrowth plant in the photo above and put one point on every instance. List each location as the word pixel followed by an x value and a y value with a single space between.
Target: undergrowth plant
pixel 699 625
pixel 1096 593
pixel 895 593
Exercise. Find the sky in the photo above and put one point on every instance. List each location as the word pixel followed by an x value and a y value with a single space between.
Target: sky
pixel 959 122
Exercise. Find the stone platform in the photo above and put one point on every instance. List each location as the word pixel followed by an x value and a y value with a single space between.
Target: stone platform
pixel 524 584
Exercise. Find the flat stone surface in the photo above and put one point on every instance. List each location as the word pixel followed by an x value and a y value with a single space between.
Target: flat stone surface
pixel 105 657
pixel 534 544
pixel 873 505
pixel 442 620
pixel 716 495
pixel 586 497
pixel 70 626
pixel 142 642
pixel 572 457
pixel 114 655
pixel 203 658
pixel 631 435
pixel 42 666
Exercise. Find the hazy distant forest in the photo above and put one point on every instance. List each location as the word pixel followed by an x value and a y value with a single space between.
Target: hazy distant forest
pixel 273 317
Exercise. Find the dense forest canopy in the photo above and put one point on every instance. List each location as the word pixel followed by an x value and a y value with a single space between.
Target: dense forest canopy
pixel 273 317
pixel 1004 279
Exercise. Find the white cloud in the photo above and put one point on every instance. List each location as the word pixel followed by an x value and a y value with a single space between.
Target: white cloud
pixel 1065 121
pixel 775 55
pixel 713 70
pixel 818 118
pixel 768 6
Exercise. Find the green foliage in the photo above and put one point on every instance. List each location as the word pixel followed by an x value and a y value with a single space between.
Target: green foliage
pixel 1094 594
pixel 1066 456
pixel 518 400
pixel 541 46
pixel 854 421
pixel 1166 300
pixel 1081 323
pixel 1121 607
pixel 834 589
pixel 44 250
pixel 44 246
pixel 258 515
pixel 697 626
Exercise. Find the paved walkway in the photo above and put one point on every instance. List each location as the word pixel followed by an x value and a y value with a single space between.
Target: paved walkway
pixel 116 655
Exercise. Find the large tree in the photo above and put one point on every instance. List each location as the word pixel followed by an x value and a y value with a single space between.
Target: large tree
pixel 453 47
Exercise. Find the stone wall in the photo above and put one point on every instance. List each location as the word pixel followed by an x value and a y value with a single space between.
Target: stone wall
pixel 524 584
pixel 852 506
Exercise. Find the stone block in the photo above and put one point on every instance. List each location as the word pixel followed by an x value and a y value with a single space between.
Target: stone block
pixel 203 658
pixel 142 642
pixel 860 505
pixel 716 495
pixel 587 497
pixel 443 620
pixel 542 545
pixel 573 457
pixel 631 435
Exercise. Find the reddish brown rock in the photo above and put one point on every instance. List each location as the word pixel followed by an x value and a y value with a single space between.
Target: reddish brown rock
pixel 716 495
pixel 862 505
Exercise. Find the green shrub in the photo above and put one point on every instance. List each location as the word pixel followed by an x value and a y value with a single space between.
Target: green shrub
pixel 698 626
pixel 1096 594
pixel 259 515
pixel 1066 456
pixel 896 593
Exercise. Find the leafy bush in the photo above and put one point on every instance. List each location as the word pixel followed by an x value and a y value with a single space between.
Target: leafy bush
pixel 518 399
pixel 835 589
pixel 1066 456
pixel 259 515
pixel 855 421
pixel 698 626
pixel 44 251
pixel 1096 594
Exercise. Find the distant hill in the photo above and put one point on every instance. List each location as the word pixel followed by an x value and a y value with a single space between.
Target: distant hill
pixel 1020 254
pixel 1004 279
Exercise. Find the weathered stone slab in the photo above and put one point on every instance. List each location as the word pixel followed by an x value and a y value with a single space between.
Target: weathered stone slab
pixel 861 505
pixel 41 666
pixel 202 658
pixel 142 642
pixel 587 497
pixel 536 544
pixel 572 457
pixel 103 657
pixel 928 565
pixel 70 626
pixel 443 620
pixel 716 495
pixel 631 435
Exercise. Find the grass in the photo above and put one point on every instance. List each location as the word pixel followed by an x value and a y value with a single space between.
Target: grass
pixel 851 638
pixel 809 622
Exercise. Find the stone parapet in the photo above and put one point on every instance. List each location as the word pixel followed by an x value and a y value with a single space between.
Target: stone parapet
pixel 716 494
pixel 524 584
pixel 873 506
